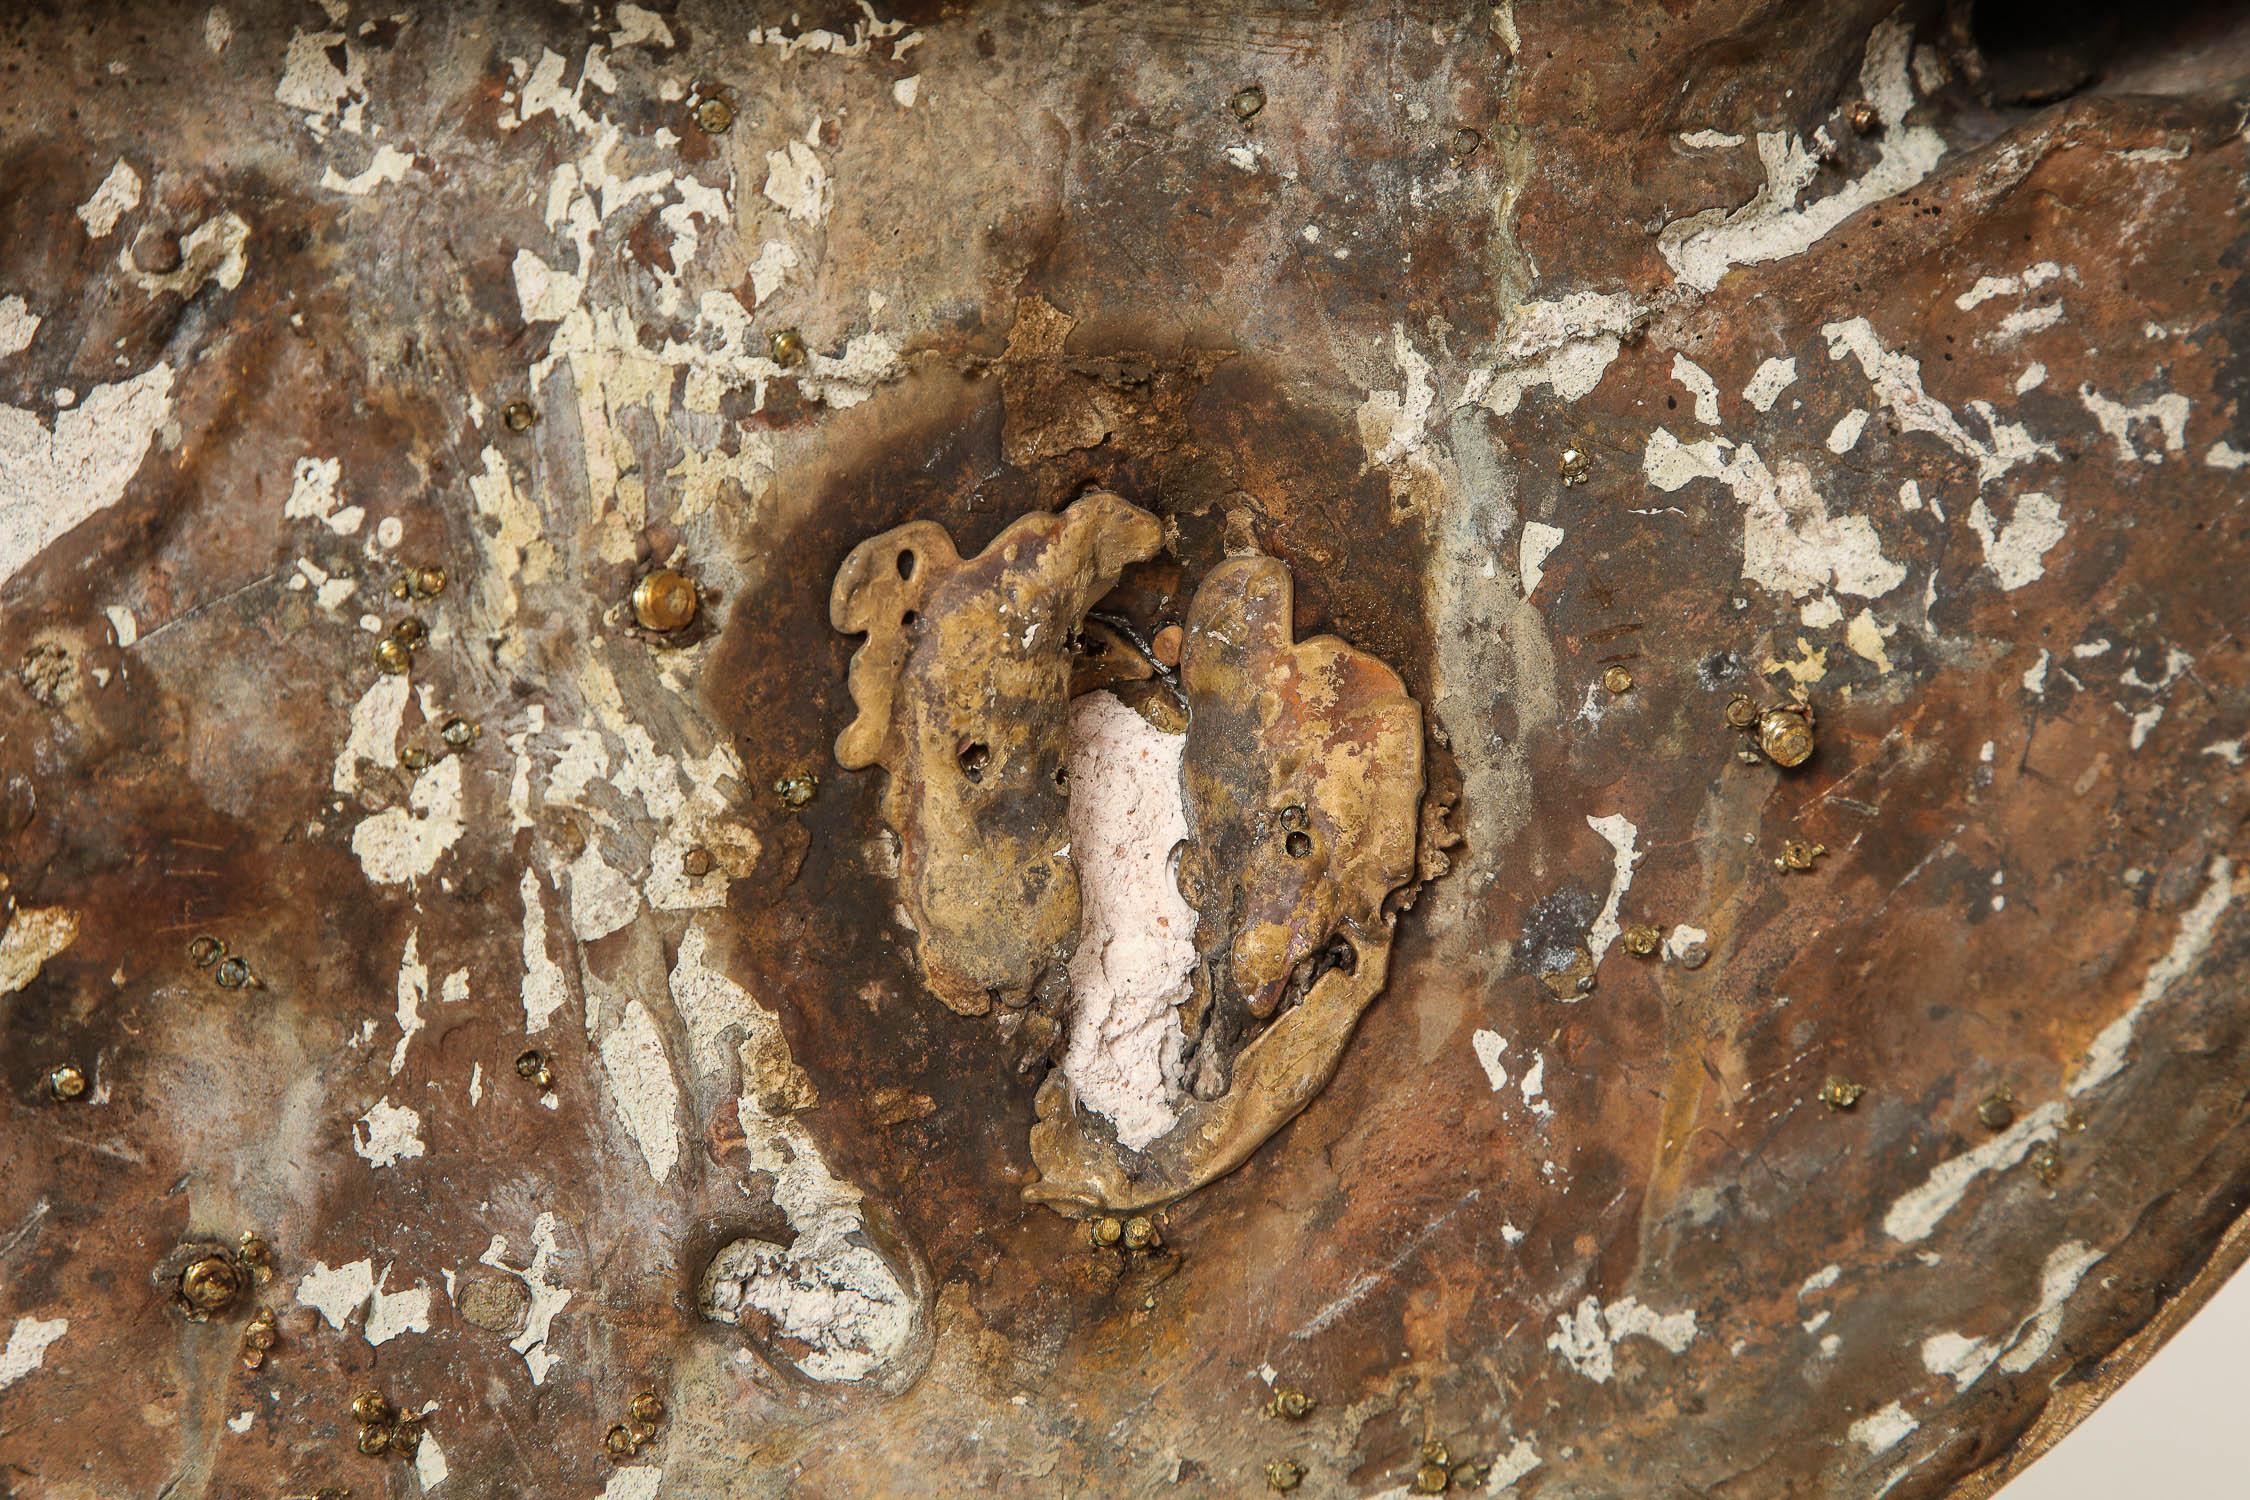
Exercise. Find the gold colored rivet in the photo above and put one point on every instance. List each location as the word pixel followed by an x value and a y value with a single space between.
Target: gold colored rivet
pixel 210 1283
pixel 1293 1405
pixel 369 1408
pixel 1798 854
pixel 392 656
pixel 787 348
pixel 206 951
pixel 428 582
pixel 1574 467
pixel 1742 711
pixel 1284 1475
pixel 1431 1479
pixel 618 1441
pixel 664 601
pixel 373 1440
pixel 1618 679
pixel 1247 101
pixel 647 1407
pixel 1435 1453
pixel 796 789
pixel 2047 1163
pixel 1141 1233
pixel 1105 1232
pixel 1864 117
pixel 1997 1111
pixel 414 757
pixel 411 633
pixel 232 974
pixel 459 733
pixel 1465 144
pixel 1785 735
pixel 1642 941
pixel 696 863
pixel 714 116
pixel 67 1081
pixel 531 1064
pixel 1468 1475
pixel 407 1435
pixel 1294 818
pixel 254 1251
pixel 1840 1093
pixel 519 416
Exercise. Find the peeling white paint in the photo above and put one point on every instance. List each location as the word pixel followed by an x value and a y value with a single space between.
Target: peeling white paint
pixel 1772 378
pixel 119 194
pixel 1624 843
pixel 2169 412
pixel 338 1292
pixel 430 1468
pixel 640 1482
pixel 1587 1337
pixel 639 1074
pixel 1136 935
pixel 28 1343
pixel 388 165
pixel 2199 926
pixel 1790 543
pixel 1520 1459
pixel 1537 544
pixel 17 324
pixel 214 251
pixel 1881 1431
pixel 544 990
pixel 405 843
pixel 601 899
pixel 1710 140
pixel 797 183
pixel 1698 384
pixel 2067 1265
pixel 1915 1214
pixel 313 497
pixel 1963 1360
pixel 413 989
pixel 1897 381
pixel 548 1296
pixel 1488 1047
pixel 1392 424
pixel 34 934
pixel 1566 345
pixel 907 90
pixel 387 1134
pixel 54 477
pixel 2220 455
pixel 1989 287
pixel 1844 436
pixel 2016 552
pixel 373 738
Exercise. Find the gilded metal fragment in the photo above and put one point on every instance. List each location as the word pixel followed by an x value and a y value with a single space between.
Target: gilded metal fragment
pixel 1785 734
pixel 1247 101
pixel 1840 1093
pixel 1284 1475
pixel 1798 854
pixel 664 601
pixel 1642 940
pixel 67 1081
pixel 1292 1405
pixel 519 416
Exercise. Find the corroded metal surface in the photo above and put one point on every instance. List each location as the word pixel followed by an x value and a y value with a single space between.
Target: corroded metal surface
pixel 1897 360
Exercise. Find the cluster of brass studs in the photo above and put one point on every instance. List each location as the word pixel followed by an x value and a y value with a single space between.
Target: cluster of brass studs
pixel 713 115
pixel 1439 1473
pixel 1997 1110
pixel 1840 1093
pixel 1247 102
pixel 533 1067
pixel 628 1438
pixel 787 348
pixel 1642 940
pixel 664 601
pixel 519 416
pixel 229 971
pixel 1618 679
pixel 796 789
pixel 395 652
pixel 1136 1233
pixel 259 1336
pixel 1284 1475
pixel 1798 854
pixel 425 582
pixel 1290 1405
pixel 1783 733
pixel 384 1428
pixel 65 1082
pixel 1574 467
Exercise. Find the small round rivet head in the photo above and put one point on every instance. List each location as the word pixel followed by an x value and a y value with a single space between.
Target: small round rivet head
pixel 665 601
pixel 206 951
pixel 1465 144
pixel 414 757
pixel 1284 1475
pixel 406 1436
pixel 696 863
pixel 1431 1479
pixel 1785 735
pixel 373 1440
pixel 531 1063
pixel 210 1283
pixel 1997 1111
pixel 254 1251
pixel 1574 467
pixel 796 789
pixel 67 1081
pixel 787 348
pixel 1435 1453
pixel 1105 1232
pixel 232 974
pixel 411 633
pixel 459 733
pixel 1618 679
pixel 369 1409
pixel 714 116
pixel 392 656
pixel 428 582
pixel 1468 1474
pixel 1141 1233
pixel 1247 101
pixel 1841 1093
pixel 1642 940
pixel 1742 711
pixel 519 416
pixel 618 1441
pixel 1292 1405
pixel 1295 818
pixel 647 1407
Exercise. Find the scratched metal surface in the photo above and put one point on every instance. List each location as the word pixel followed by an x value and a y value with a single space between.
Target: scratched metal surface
pixel 1990 525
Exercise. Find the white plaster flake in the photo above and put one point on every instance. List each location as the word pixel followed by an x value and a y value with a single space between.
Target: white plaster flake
pixel 119 194
pixel 2016 552
pixel 1772 378
pixel 1624 843
pixel 387 1134
pixel 1537 544
pixel 401 844
pixel 641 1085
pixel 34 934
pixel 548 1296
pixel 54 477
pixel 28 1342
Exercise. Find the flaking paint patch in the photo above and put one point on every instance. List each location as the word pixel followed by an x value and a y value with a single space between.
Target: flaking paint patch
pixel 28 1343
pixel 388 166
pixel 641 1086
pixel 544 989
pixel 1772 378
pixel 1489 1046
pixel 1896 378
pixel 1625 854
pixel 2199 926
pixel 2067 1265
pixel 1537 544
pixel 215 251
pixel 1790 542
pixel 34 934
pixel 17 325
pixel 387 1134
pixel 413 989
pixel 1392 424
pixel 2168 413
pixel 797 184
pixel 1587 1337
pixel 118 195
pixel 1566 345
pixel 313 497
pixel 401 844
pixel 337 1292
pixel 640 1482
pixel 1698 383
pixel 53 477
pixel 1881 1431
pixel 548 1296
pixel 372 740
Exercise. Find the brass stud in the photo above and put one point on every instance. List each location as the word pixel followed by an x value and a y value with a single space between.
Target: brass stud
pixel 1798 854
pixel 459 733
pixel 206 951
pixel 1105 1232
pixel 1431 1479
pixel 531 1064
pixel 1141 1233
pixel 369 1409
pixel 1840 1093
pixel 1742 711
pixel 787 348
pixel 519 416
pixel 1469 1475
pixel 233 974
pixel 210 1283
pixel 255 1253
pixel 427 582
pixel 1465 144
pixel 1574 467
pixel 1864 117
pixel 1785 734
pixel 406 1436
pixel 2047 1163
pixel 411 633
pixel 1618 679
pixel 1434 1452
pixel 797 788
pixel 714 116
pixel 647 1407
pixel 414 758
pixel 618 1442
pixel 1642 940
pixel 67 1081
pixel 373 1440
pixel 1294 1406
pixel 1997 1110
pixel 1294 818
pixel 665 601
pixel 392 656
pixel 1284 1475
pixel 1247 101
